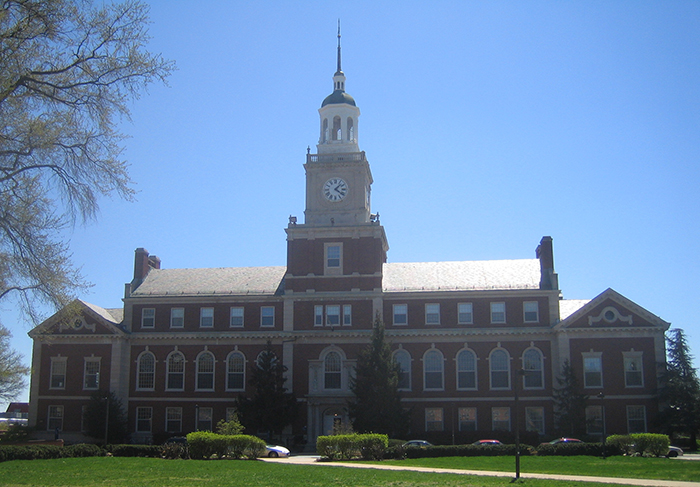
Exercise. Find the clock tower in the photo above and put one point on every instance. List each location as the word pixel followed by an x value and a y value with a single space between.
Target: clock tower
pixel 340 246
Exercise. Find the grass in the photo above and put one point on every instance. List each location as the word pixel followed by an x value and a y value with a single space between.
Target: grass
pixel 148 472
pixel 621 467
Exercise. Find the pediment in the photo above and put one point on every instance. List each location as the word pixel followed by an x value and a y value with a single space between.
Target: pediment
pixel 81 318
pixel 611 309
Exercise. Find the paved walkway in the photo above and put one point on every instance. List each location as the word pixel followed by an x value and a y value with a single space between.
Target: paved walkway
pixel 311 460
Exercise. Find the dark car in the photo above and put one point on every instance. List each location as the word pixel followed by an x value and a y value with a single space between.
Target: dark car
pixel 418 443
pixel 564 440
pixel 487 442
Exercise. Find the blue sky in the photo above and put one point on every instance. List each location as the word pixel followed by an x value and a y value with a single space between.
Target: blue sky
pixel 487 126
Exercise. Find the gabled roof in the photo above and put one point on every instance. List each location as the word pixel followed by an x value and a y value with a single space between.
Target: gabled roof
pixel 609 295
pixel 463 275
pixel 567 307
pixel 222 280
pixel 66 318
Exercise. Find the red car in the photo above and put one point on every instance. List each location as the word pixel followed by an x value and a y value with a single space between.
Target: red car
pixel 487 442
pixel 564 440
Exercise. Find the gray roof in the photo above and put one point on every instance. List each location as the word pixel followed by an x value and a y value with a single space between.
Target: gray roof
pixel 411 276
pixel 115 315
pixel 567 307
pixel 464 275
pixel 222 280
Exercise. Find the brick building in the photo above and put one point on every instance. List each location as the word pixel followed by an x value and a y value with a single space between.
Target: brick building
pixel 180 350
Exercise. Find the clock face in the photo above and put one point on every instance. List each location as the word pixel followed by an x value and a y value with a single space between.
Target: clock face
pixel 335 189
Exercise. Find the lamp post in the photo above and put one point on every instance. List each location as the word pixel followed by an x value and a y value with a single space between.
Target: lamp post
pixel 196 417
pixel 601 396
pixel 106 417
pixel 519 375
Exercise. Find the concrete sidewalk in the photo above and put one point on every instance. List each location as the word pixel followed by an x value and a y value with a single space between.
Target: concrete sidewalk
pixel 312 460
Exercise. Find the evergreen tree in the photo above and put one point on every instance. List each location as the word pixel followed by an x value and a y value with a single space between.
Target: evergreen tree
pixel 96 415
pixel 271 408
pixel 569 403
pixel 376 407
pixel 680 390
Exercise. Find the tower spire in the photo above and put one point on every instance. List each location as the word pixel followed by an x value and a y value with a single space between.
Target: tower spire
pixel 339 71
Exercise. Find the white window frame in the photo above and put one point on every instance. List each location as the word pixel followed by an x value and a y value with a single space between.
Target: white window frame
pixel 466 416
pixel 460 370
pixel 347 315
pixel 631 411
pixel 173 416
pixel 399 310
pixel 236 317
pixel 493 370
pixel 202 374
pixel 318 315
pixel 433 367
pixel 267 316
pixel 144 416
pixel 169 372
pixel 534 376
pixel 432 314
pixel 498 312
pixel 405 371
pixel 91 376
pixel 206 317
pixel 595 416
pixel 465 313
pixel 205 419
pixel 59 367
pixel 501 418
pixel 143 376
pixel 591 358
pixel 240 374
pixel 633 360
pixel 332 263
pixel 148 318
pixel 54 418
pixel 434 419
pixel 333 315
pixel 331 375
pixel 177 317
pixel 534 307
pixel 534 419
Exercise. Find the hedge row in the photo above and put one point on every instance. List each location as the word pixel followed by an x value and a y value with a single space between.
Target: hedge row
pixel 640 443
pixel 345 447
pixel 572 449
pixel 456 451
pixel 48 452
pixel 206 445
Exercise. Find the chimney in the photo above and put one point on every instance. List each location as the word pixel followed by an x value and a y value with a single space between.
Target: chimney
pixel 143 263
pixel 545 253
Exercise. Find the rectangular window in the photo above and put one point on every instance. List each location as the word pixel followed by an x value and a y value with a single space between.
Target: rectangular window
pixel 55 418
pixel 498 312
pixel 204 419
pixel 206 317
pixel 433 419
pixel 173 420
pixel 318 315
pixel 592 371
pixel 465 315
pixel 531 312
pixel 332 315
pixel 594 420
pixel 231 414
pixel 347 315
pixel 148 317
pixel 633 369
pixel 333 256
pixel 636 419
pixel 500 419
pixel 177 317
pixel 432 314
pixel 467 419
pixel 400 314
pixel 267 316
pixel 91 374
pixel 144 417
pixel 236 318
pixel 58 373
pixel 534 420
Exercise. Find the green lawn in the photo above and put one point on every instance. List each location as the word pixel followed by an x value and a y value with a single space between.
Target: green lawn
pixel 627 467
pixel 136 472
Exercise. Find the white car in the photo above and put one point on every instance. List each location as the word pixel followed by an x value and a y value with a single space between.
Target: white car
pixel 674 451
pixel 275 451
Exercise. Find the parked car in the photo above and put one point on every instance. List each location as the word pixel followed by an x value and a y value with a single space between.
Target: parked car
pixel 674 451
pixel 565 440
pixel 487 442
pixel 275 451
pixel 418 443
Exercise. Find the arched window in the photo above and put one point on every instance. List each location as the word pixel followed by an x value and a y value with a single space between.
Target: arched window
pixel 533 368
pixel 175 380
pixel 337 134
pixel 433 365
pixel 235 372
pixel 351 130
pixel 205 371
pixel 324 135
pixel 332 371
pixel 403 359
pixel 466 370
pixel 146 367
pixel 499 362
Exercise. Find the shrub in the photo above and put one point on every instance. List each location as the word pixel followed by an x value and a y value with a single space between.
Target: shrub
pixel 570 449
pixel 84 450
pixel 175 451
pixel 145 451
pixel 368 446
pixel 373 446
pixel 620 444
pixel 651 444
pixel 34 452
pixel 205 445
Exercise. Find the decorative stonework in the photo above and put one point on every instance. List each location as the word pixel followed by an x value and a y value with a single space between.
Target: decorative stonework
pixel 609 314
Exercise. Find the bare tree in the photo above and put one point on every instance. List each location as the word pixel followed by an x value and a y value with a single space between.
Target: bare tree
pixel 13 373
pixel 68 71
